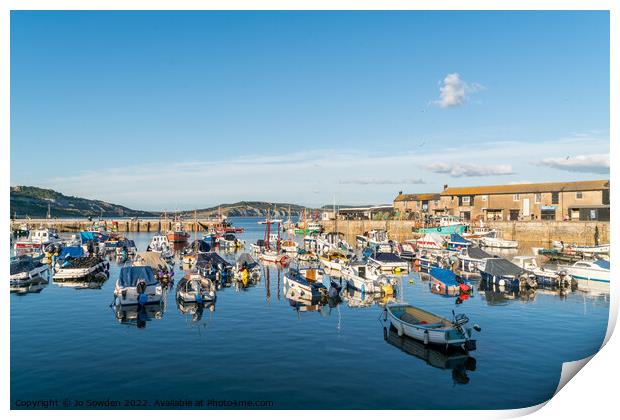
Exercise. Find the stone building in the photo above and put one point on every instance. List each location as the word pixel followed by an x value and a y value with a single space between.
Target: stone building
pixel 580 200
pixel 408 206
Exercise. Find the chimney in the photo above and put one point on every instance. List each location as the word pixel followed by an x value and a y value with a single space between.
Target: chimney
pixel 445 186
pixel 400 193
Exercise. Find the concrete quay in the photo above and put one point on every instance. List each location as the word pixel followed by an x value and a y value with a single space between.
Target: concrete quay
pixel 120 225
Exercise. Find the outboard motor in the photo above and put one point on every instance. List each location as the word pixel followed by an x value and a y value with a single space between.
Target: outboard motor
pixel 141 289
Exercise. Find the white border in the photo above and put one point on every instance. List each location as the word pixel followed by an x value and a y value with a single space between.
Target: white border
pixel 593 394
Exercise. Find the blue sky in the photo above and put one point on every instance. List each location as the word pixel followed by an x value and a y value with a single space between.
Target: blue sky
pixel 165 110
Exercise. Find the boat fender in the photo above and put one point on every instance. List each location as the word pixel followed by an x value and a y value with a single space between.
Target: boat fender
pixel 426 338
pixel 198 298
pixel 439 229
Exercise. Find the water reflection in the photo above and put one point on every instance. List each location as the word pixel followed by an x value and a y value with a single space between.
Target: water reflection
pixel 195 310
pixel 456 360
pixel 34 285
pixel 138 315
pixel 299 303
pixel 88 282
pixel 357 299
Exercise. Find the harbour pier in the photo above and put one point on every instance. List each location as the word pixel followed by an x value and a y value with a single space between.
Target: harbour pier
pixel 118 225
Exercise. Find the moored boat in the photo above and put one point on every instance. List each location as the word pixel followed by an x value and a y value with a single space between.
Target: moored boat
pixel 177 233
pixel 25 268
pixel 194 287
pixel 502 272
pixel 137 285
pixel 430 328
pixel 445 282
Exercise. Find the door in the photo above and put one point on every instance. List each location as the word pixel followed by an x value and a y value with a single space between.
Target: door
pixel 514 214
pixel 526 208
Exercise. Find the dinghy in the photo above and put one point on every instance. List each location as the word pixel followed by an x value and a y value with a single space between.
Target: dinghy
pixel 593 249
pixel 430 328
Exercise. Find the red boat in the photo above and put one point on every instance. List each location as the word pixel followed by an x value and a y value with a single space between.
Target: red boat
pixel 178 234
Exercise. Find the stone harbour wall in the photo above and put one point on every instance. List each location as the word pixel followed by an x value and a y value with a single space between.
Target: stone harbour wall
pixel 542 232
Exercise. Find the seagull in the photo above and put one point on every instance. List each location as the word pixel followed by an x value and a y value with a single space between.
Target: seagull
pixel 567 157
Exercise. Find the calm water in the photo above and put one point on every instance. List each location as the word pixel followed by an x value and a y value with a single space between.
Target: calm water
pixel 254 345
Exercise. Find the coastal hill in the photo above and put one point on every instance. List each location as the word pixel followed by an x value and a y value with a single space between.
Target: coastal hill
pixel 33 202
pixel 250 209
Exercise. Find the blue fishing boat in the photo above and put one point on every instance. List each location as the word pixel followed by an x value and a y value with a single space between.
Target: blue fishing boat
pixel 457 242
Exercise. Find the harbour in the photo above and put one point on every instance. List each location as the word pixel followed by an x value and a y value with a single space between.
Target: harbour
pixel 253 332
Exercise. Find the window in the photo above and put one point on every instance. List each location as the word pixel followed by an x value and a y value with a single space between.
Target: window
pixel 483 198
pixel 466 200
pixel 537 197
pixel 605 197
pixel 579 195
pixel 515 197
pixel 547 214
pixel 555 198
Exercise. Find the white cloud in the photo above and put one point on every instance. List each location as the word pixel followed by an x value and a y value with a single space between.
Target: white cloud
pixel 458 170
pixel 453 91
pixel 382 181
pixel 598 164
pixel 311 177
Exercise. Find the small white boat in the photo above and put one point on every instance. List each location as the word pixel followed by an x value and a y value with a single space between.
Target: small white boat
pixel 161 245
pixel 273 256
pixel 430 328
pixel 26 268
pixel 137 286
pixel 589 271
pixel 545 277
pixel 471 258
pixel 389 262
pixel 586 249
pixel 229 240
pixel 366 279
pixel 491 242
pixel 195 288
pixel 303 283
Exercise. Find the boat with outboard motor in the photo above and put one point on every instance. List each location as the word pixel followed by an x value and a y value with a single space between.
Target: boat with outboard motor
pixel 305 282
pixel 430 328
pixel 163 272
pixel 137 285
pixel 333 260
pixel 368 279
pixel 196 288
pixel 544 276
pixel 589 271
pixel 495 241
pixel 246 268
